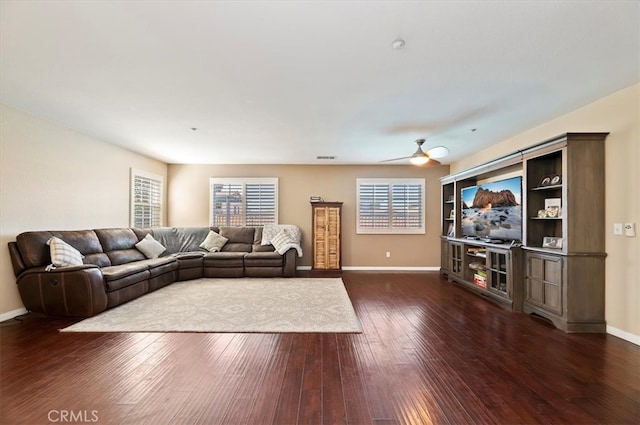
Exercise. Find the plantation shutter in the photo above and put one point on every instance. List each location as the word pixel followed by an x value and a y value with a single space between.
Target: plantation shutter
pixel 374 206
pixel 406 207
pixel 261 204
pixel 244 202
pixel 227 205
pixel 146 199
pixel 390 206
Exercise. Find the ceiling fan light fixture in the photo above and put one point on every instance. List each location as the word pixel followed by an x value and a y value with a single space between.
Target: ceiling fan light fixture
pixel 419 159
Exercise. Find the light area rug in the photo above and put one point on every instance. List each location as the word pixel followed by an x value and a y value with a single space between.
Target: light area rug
pixel 234 305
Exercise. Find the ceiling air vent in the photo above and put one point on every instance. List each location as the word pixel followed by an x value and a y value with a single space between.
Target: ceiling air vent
pixel 325 157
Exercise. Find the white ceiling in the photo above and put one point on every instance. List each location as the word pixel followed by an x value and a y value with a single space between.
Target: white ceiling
pixel 282 82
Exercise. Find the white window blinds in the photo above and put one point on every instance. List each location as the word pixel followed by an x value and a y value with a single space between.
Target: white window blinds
pixel 146 199
pixel 244 201
pixel 391 206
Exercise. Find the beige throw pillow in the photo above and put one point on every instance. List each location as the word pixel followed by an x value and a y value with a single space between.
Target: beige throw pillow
pixel 213 242
pixel 150 247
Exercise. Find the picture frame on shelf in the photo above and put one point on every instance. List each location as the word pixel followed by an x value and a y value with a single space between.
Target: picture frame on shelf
pixel 553 207
pixel 552 242
pixel 452 214
pixel 552 202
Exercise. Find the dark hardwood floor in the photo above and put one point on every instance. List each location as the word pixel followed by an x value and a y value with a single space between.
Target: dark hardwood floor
pixel 431 352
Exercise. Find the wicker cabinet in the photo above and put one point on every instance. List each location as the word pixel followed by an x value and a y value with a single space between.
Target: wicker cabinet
pixel 326 240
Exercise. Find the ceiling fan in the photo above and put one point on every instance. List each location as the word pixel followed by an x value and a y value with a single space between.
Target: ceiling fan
pixel 421 157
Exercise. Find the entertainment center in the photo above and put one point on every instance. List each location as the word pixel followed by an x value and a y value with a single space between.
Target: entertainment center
pixel 527 230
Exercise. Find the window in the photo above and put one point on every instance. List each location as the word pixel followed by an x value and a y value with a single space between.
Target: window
pixel 146 199
pixel 391 206
pixel 244 201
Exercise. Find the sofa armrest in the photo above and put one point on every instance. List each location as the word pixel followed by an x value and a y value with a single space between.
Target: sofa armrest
pixel 77 291
pixel 289 264
pixel 16 259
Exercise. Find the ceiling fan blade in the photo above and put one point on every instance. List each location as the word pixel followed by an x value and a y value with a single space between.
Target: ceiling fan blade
pixel 421 158
pixel 438 152
pixel 395 159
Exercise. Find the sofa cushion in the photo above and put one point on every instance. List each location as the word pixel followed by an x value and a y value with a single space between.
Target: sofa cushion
pixel 263 259
pixel 150 247
pixel 63 254
pixel 119 245
pixel 257 247
pixel 224 259
pixel 213 242
pixel 118 277
pixel 240 235
pixel 116 239
pixel 158 266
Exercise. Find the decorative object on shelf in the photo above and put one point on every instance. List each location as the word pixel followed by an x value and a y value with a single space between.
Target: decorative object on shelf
pixel 452 214
pixel 450 232
pixel 450 199
pixel 480 278
pixel 542 213
pixel 546 181
pixel 553 207
pixel 552 212
pixel 551 242
pixel 315 198
pixel 557 179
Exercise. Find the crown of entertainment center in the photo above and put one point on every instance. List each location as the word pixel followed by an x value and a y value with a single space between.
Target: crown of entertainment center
pixel 557 269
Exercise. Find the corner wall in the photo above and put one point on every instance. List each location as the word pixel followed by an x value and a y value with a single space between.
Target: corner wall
pixel 618 114
pixel 53 178
pixel 189 206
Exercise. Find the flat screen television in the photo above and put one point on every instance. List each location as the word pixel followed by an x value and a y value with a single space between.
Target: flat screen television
pixel 493 211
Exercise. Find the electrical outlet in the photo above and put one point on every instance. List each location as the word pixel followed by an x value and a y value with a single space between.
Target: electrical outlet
pixel 388 254
pixel 630 229
pixel 617 228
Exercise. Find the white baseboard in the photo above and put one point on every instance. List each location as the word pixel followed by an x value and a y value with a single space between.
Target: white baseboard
pixel 382 268
pixel 11 314
pixel 627 336
pixel 392 268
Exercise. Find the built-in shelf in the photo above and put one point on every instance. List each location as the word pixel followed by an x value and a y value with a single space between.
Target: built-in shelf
pixel 564 285
pixel 555 186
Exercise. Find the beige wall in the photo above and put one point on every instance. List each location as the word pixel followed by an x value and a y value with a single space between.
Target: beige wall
pixel 189 206
pixel 54 178
pixel 618 114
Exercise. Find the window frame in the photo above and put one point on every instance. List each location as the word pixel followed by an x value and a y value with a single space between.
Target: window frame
pixel 136 173
pixel 391 229
pixel 243 181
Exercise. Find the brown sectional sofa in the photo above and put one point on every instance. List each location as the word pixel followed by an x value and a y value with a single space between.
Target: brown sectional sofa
pixel 115 271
